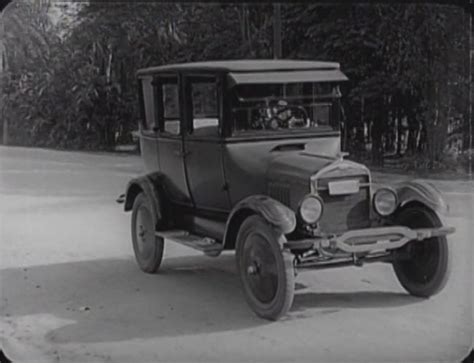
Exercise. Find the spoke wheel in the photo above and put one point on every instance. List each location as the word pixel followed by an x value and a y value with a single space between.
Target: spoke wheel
pixel 147 247
pixel 266 272
pixel 424 267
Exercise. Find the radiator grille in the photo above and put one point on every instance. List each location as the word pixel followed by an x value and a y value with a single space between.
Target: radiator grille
pixel 280 192
pixel 344 212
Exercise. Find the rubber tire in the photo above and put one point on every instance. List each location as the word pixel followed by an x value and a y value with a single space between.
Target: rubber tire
pixel 283 299
pixel 416 216
pixel 151 263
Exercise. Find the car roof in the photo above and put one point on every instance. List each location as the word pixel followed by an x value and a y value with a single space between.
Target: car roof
pixel 243 65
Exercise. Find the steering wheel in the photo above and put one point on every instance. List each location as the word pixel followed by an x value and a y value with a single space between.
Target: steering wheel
pixel 278 118
pixel 282 117
pixel 304 113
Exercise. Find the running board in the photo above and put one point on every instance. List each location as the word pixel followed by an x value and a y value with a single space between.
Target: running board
pixel 204 244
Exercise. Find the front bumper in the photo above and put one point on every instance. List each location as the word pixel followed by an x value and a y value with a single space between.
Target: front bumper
pixel 370 240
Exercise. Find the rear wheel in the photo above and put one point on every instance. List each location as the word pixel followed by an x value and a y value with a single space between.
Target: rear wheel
pixel 266 271
pixel 147 246
pixel 423 266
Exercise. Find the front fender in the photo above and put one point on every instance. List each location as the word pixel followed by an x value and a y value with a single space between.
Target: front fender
pixel 281 217
pixel 421 192
pixel 149 185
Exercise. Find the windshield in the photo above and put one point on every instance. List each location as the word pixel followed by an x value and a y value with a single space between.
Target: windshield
pixel 270 108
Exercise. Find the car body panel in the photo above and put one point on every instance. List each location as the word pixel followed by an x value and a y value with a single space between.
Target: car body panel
pixel 249 165
pixel 205 173
pixel 333 75
pixel 149 149
pixel 171 162
pixel 421 192
pixel 240 65
pixel 149 185
pixel 281 217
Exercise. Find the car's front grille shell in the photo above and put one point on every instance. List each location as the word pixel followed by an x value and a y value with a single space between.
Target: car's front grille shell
pixel 280 192
pixel 344 212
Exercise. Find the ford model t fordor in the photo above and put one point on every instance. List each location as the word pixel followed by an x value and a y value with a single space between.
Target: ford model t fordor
pixel 246 156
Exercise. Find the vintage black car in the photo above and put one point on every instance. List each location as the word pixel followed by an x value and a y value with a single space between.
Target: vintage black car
pixel 245 155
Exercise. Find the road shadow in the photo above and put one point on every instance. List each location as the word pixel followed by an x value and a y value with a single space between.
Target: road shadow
pixel 352 300
pixel 112 300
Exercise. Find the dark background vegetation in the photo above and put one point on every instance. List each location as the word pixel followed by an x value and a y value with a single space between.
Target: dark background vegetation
pixel 70 83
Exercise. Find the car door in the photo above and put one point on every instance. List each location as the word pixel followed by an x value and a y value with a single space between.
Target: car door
pixel 170 138
pixel 202 143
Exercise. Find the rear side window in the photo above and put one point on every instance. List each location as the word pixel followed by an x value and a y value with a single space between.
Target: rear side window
pixel 149 123
pixel 205 106
pixel 171 108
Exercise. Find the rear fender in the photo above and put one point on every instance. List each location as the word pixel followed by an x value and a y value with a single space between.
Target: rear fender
pixel 418 191
pixel 275 213
pixel 151 186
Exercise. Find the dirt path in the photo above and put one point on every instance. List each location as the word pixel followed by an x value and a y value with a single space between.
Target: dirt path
pixel 71 291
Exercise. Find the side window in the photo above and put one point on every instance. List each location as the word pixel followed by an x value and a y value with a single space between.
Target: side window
pixel 205 116
pixel 149 103
pixel 170 102
pixel 322 113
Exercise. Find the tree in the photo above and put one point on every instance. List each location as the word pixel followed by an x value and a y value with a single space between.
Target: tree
pixel 27 41
pixel 76 91
pixel 400 55
pixel 75 87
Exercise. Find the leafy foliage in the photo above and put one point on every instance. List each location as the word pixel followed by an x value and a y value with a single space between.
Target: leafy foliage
pixel 78 91
pixel 403 61
pixel 74 86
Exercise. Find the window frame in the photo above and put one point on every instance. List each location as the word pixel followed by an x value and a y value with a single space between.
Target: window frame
pixel 333 128
pixel 188 79
pixel 159 81
pixel 143 124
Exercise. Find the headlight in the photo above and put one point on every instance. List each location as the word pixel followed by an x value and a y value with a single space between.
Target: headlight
pixel 311 209
pixel 385 201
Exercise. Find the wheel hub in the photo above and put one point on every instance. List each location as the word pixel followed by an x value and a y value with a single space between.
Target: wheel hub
pixel 253 269
pixel 142 233
pixel 260 268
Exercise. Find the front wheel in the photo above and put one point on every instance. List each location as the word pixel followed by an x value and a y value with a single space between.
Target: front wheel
pixel 266 271
pixel 423 266
pixel 147 246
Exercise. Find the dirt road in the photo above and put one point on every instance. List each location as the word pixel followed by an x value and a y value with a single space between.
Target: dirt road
pixel 71 291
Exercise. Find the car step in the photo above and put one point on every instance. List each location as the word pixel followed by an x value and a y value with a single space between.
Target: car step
pixel 205 244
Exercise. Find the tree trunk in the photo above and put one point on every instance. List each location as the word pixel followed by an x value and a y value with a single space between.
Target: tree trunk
pixel 5 131
pixel 378 127
pixel 277 53
pixel 423 139
pixel 399 131
pixel 413 124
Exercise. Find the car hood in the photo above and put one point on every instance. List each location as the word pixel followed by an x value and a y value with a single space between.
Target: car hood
pixel 301 166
